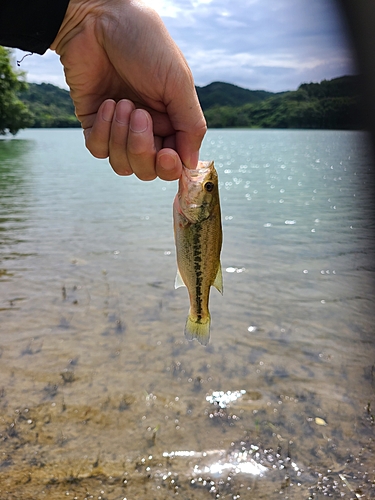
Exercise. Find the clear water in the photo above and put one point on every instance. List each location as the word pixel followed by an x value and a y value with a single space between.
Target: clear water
pixel 100 394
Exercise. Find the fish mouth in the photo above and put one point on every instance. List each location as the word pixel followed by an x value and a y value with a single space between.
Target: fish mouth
pixel 199 173
pixel 191 184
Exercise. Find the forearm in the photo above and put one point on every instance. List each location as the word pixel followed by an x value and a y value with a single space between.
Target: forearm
pixel 31 25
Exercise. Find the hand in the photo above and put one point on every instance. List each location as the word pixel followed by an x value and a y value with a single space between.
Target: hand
pixel 132 88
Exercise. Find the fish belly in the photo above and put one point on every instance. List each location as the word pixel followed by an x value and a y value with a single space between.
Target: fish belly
pixel 198 258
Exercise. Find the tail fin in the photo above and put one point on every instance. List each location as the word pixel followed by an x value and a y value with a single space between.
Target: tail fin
pixel 198 329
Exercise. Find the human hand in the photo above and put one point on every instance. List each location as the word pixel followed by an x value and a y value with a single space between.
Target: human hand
pixel 132 88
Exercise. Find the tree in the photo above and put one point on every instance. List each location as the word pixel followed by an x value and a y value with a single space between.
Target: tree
pixel 14 114
pixel 49 105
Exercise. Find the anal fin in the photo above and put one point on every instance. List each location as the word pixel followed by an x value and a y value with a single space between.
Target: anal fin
pixel 218 283
pixel 179 281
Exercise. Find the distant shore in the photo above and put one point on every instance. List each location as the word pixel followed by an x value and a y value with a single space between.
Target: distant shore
pixel 330 104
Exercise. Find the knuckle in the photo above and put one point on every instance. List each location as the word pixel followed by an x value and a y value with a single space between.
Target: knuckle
pixel 97 152
pixel 200 128
pixel 146 176
pixel 97 149
pixel 136 149
pixel 143 165
pixel 121 171
pixel 169 177
pixel 120 165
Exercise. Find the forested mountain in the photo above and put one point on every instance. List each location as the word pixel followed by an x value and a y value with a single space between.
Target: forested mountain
pixel 50 106
pixel 345 86
pixel 226 94
pixel 333 104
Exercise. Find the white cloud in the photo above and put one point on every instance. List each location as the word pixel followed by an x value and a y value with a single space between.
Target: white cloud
pixel 46 68
pixel 165 8
pixel 273 45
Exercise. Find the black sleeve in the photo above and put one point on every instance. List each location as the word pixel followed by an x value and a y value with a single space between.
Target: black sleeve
pixel 30 25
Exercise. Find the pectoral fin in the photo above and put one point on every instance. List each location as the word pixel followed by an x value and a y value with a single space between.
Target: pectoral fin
pixel 179 281
pixel 218 283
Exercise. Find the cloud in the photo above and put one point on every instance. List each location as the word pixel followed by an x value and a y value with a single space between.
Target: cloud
pixel 46 68
pixel 272 45
pixel 245 42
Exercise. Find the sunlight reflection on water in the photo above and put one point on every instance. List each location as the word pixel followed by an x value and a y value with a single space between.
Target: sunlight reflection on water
pixel 236 463
pixel 96 377
pixel 223 399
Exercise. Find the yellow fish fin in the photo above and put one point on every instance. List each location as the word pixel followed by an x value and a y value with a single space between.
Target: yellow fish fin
pixel 198 329
pixel 178 281
pixel 218 283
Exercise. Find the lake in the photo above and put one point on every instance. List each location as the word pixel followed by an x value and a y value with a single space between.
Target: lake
pixel 102 397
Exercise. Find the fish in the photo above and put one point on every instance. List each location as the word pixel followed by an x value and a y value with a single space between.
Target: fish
pixel 198 239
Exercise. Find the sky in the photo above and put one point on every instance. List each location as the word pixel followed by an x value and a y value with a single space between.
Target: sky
pixel 272 45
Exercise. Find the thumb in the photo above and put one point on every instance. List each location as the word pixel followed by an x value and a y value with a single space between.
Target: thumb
pixel 188 121
pixel 189 141
pixel 188 145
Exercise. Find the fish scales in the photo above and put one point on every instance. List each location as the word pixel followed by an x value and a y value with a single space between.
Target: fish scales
pixel 198 237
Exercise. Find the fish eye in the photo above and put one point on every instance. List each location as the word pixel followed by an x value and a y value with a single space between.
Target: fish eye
pixel 209 186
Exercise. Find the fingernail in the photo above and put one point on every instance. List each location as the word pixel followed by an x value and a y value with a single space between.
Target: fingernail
pixel 192 162
pixel 107 112
pixel 123 111
pixel 167 162
pixel 138 121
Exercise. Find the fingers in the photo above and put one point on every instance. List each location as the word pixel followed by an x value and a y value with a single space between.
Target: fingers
pixel 97 136
pixel 119 136
pixel 125 135
pixel 141 150
pixel 168 165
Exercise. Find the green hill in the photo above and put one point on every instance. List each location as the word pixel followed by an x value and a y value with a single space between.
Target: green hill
pixel 226 94
pixel 50 106
pixel 331 104
pixel 344 86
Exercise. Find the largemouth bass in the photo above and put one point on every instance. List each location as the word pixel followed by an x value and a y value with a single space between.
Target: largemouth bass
pixel 198 237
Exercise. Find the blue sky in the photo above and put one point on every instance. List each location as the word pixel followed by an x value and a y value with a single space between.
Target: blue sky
pixel 272 45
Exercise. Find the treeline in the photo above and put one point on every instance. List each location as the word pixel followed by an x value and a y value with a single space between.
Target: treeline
pixel 50 106
pixel 333 104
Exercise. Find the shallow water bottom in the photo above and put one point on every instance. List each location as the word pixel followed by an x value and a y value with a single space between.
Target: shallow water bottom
pixel 95 405
pixel 264 464
pixel 100 394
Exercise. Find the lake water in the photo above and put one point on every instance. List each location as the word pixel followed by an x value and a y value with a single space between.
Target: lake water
pixel 100 394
